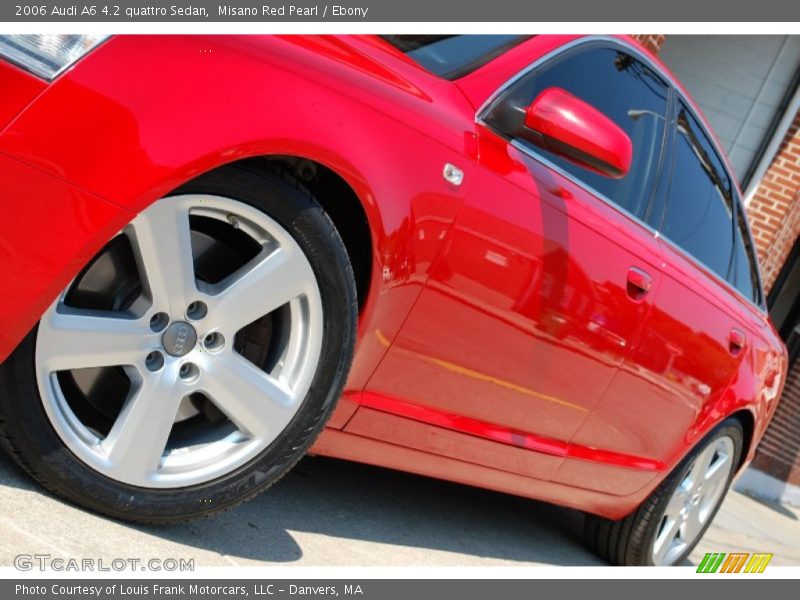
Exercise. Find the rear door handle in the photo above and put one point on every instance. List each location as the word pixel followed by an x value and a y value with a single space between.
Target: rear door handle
pixel 736 341
pixel 639 284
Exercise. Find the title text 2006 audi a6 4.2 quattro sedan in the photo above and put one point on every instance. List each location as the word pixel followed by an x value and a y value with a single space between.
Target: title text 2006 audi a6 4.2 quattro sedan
pixel 516 262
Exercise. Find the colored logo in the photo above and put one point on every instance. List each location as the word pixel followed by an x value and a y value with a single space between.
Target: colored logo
pixel 734 562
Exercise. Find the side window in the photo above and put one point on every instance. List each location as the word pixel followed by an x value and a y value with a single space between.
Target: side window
pixel 619 86
pixel 746 272
pixel 699 200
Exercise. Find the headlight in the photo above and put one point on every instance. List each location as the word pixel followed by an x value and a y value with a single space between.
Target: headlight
pixel 47 55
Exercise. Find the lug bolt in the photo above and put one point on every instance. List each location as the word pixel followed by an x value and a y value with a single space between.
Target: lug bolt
pixel 214 342
pixel 154 361
pixel 196 310
pixel 188 372
pixel 159 322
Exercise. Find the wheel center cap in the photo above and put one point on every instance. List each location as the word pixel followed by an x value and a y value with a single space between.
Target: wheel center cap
pixel 179 339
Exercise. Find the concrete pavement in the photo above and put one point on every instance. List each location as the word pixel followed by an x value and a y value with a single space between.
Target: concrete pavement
pixel 328 512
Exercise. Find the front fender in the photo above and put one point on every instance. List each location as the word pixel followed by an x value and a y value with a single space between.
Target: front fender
pixel 142 115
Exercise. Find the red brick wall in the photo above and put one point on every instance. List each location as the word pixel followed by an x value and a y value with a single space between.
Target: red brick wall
pixel 775 218
pixel 774 212
pixel 651 41
pixel 779 451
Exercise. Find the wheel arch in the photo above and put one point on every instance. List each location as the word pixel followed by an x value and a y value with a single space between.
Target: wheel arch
pixel 338 198
pixel 747 420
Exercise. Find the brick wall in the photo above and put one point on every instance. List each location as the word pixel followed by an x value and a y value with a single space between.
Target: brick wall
pixel 775 218
pixel 651 41
pixel 779 451
pixel 774 212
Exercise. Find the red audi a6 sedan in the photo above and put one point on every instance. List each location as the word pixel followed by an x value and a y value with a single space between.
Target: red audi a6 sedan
pixel 515 262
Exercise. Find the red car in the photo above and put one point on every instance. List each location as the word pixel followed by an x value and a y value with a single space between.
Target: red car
pixel 515 262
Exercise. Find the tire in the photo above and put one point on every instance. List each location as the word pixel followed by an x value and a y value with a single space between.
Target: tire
pixel 632 541
pixel 42 444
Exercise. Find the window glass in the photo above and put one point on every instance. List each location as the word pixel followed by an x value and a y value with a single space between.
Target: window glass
pixel 624 90
pixel 453 56
pixel 699 203
pixel 746 271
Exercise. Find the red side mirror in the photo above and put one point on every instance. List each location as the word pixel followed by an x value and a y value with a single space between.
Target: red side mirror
pixel 565 125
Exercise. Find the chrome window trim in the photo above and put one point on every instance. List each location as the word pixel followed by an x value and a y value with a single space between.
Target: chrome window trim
pixel 674 85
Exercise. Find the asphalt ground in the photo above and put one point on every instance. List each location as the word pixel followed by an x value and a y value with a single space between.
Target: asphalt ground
pixel 328 512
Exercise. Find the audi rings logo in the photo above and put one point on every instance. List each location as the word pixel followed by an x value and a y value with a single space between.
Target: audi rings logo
pixel 180 339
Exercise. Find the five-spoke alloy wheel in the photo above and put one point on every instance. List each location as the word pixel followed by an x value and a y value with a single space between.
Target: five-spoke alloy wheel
pixel 173 350
pixel 196 357
pixel 667 526
pixel 694 501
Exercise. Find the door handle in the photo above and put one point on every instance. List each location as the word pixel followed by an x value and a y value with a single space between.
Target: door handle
pixel 736 341
pixel 639 284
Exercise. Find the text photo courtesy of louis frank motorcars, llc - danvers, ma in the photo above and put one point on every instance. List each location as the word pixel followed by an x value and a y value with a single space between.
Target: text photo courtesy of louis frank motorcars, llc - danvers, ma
pixel 375 301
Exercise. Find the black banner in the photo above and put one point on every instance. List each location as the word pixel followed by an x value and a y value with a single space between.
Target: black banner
pixel 388 589
pixel 373 11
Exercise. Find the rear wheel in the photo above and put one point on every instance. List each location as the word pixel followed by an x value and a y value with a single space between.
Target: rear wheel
pixel 668 525
pixel 194 360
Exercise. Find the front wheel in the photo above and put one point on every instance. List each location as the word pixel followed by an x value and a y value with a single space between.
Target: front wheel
pixel 194 360
pixel 664 530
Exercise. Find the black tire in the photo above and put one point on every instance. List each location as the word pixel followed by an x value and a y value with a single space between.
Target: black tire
pixel 629 541
pixel 29 438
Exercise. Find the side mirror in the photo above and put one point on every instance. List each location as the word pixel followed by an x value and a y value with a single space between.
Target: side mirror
pixel 565 125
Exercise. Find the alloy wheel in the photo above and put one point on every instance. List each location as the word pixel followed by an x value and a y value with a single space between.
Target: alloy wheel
pixel 185 348
pixel 694 501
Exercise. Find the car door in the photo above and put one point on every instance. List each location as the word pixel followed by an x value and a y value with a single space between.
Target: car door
pixel 698 332
pixel 548 275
